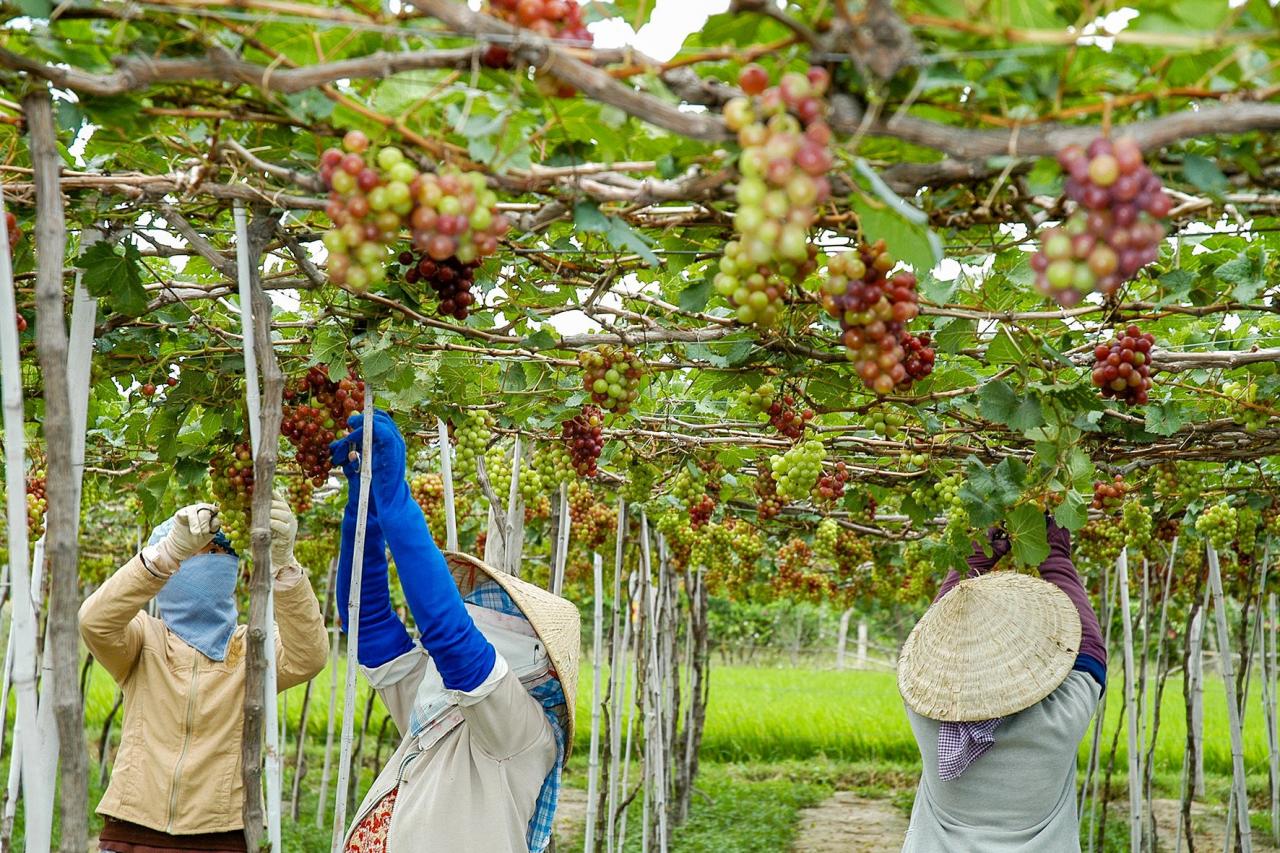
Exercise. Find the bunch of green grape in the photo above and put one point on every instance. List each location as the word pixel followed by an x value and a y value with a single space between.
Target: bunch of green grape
pixel 497 464
pixel 1137 523
pixel 641 477
pixel 554 465
pixel 758 400
pixel 938 495
pixel 1101 541
pixel 471 435
pixel 1248 520
pixel 956 530
pixel 1245 394
pixel 909 458
pixel 797 471
pixel 825 537
pixel 688 488
pixel 887 423
pixel 531 484
pixel 1218 523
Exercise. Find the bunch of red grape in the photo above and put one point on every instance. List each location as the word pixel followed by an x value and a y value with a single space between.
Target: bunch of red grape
pixel 612 377
pixel 1109 496
pixel 593 520
pixel 795 574
pixel 701 510
pixel 37 503
pixel 318 417
pixel 373 196
pixel 1116 230
pixel 553 19
pixel 874 311
pixel 15 233
pixel 830 487
pixel 582 435
pixel 768 502
pixel 1122 368
pixel 450 278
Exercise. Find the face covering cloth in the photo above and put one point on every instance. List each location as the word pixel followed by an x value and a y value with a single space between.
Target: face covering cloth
pixel 198 603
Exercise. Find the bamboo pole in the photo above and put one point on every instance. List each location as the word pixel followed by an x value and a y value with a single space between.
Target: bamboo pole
pixel 1140 651
pixel 1090 787
pixel 446 475
pixel 24 624
pixel 335 637
pixel 353 626
pixel 1162 673
pixel 260 702
pixel 300 755
pixel 1195 684
pixel 617 667
pixel 562 543
pixel 597 652
pixel 1135 781
pixel 1273 724
pixel 1239 792
pixel 515 514
pixel 635 588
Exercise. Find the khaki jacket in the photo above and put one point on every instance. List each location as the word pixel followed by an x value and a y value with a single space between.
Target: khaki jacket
pixel 475 789
pixel 178 766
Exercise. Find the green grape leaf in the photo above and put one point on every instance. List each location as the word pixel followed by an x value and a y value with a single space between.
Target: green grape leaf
pixel 114 277
pixel 1028 534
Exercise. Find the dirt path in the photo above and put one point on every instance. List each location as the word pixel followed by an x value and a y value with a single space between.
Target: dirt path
pixel 1209 822
pixel 848 823
pixel 571 814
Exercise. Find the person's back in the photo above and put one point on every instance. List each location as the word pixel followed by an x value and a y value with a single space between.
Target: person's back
pixel 1001 679
pixel 1021 795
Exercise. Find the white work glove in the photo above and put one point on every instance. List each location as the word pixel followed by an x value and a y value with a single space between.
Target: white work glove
pixel 193 529
pixel 284 532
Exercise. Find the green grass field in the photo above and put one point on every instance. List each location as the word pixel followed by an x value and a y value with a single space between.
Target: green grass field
pixel 777 740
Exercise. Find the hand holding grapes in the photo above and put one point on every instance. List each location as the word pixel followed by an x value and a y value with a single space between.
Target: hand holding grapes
pixel 389 460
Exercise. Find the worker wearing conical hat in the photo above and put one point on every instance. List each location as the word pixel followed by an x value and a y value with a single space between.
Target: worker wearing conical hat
pixel 1001 677
pixel 483 697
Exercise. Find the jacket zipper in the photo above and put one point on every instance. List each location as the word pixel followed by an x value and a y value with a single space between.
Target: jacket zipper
pixel 399 778
pixel 186 740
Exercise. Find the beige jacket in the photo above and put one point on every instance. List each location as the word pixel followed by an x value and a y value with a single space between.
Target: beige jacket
pixel 475 789
pixel 178 767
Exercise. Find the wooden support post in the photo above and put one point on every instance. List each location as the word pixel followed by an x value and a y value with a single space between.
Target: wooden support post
pixel 1238 788
pixel 1131 706
pixel 446 476
pixel 597 655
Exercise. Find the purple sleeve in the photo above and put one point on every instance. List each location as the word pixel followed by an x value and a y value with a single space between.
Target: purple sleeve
pixel 979 563
pixel 1060 571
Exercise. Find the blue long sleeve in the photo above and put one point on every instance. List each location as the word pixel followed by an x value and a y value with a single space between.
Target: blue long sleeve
pixel 383 636
pixel 461 653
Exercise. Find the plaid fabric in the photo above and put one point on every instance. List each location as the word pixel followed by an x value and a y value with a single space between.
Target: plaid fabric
pixel 961 744
pixel 550 696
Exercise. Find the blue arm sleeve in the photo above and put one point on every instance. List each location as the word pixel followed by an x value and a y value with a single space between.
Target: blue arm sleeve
pixel 382 635
pixel 461 653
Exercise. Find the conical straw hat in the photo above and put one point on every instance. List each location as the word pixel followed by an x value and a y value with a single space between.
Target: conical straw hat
pixel 555 620
pixel 992 646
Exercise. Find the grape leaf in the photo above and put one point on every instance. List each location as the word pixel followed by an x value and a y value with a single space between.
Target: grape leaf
pixel 114 277
pixel 1165 418
pixel 1028 534
pixel 1073 512
pixel 1246 273
pixel 998 402
pixel 1204 174
pixel 694 297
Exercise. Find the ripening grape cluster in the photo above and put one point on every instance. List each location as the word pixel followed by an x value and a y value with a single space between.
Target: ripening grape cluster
pixel 1218 523
pixel 471 435
pixel 641 477
pixel 531 484
pixel 1138 524
pixel 797 470
pixel 1245 395
pixel 874 312
pixel 1179 482
pixel 1248 520
pixel 1122 368
pixel 768 502
pixel 830 486
pixel 1100 541
pixel 497 466
pixel 786 153
pixel 317 417
pixel 887 423
pixel 781 412
pixel 674 527
pixel 300 495
pixel 374 195
pixel 938 495
pixel 582 435
pixel 909 458
pixel 428 492
pixel 1271 520
pixel 231 482
pixel 612 377
pixel 450 280
pixel 1109 496
pixel 1115 231
pixel 592 520
pixel 37 503
pixel 712 546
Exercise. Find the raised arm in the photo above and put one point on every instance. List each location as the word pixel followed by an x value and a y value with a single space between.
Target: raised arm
pixel 302 643
pixel 382 636
pixel 111 620
pixel 979 562
pixel 460 652
pixel 1060 571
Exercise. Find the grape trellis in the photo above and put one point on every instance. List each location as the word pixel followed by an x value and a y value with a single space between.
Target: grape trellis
pixel 795 312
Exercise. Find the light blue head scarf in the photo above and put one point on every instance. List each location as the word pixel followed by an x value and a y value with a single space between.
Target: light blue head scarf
pixel 198 603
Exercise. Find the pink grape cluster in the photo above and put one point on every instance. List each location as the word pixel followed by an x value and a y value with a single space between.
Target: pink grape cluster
pixel 1115 231
pixel 374 196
